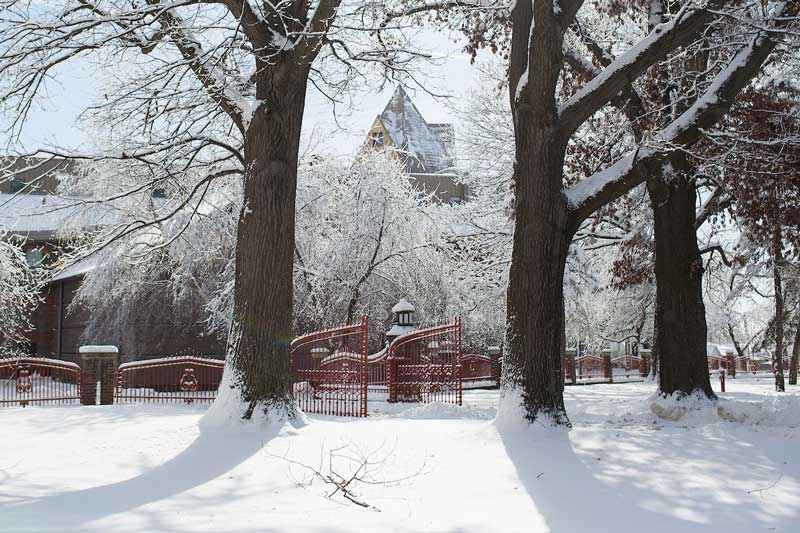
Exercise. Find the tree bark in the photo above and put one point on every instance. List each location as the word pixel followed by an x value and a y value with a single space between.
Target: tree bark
pixel 261 332
pixel 777 258
pixel 795 356
pixel 543 227
pixel 535 324
pixel 680 318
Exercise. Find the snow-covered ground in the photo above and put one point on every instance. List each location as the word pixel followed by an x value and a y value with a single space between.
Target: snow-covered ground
pixel 730 468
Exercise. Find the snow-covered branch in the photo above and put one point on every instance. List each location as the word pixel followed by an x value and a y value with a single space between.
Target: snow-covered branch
pixel 666 37
pixel 654 158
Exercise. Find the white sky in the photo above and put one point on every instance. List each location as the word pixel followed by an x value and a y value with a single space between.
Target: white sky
pixel 55 120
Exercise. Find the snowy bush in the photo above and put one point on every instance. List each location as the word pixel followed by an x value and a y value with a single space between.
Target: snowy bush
pixel 19 295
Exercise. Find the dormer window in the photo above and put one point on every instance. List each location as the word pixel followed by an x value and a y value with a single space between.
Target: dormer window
pixel 377 139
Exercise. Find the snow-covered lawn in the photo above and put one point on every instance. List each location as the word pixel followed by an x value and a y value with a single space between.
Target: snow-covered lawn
pixel 432 468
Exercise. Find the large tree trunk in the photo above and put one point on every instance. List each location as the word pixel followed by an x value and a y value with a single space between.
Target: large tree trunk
pixel 680 314
pixel 777 259
pixel 795 356
pixel 261 332
pixel 535 325
pixel 543 227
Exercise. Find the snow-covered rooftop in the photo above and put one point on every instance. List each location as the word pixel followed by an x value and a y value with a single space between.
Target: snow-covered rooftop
pixel 428 147
pixel 397 330
pixel 77 269
pixel 41 216
pixel 403 306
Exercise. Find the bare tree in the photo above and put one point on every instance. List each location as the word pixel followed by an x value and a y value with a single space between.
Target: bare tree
pixel 201 90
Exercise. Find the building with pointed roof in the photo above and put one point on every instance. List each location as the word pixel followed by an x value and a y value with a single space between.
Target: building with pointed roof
pixel 426 149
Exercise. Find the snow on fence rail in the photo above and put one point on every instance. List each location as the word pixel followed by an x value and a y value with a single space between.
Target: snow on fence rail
pixel 38 380
pixel 178 378
pixel 329 370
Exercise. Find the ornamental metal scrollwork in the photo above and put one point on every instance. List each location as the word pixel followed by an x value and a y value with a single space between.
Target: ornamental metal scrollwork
pixel 188 381
pixel 24 382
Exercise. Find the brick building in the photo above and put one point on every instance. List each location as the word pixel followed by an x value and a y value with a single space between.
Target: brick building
pixel 29 210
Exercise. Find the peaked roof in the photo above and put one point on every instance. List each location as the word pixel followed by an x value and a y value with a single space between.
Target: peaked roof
pixel 403 306
pixel 428 146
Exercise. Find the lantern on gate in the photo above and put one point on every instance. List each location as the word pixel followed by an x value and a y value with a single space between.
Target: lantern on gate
pixel 403 313
pixel 403 320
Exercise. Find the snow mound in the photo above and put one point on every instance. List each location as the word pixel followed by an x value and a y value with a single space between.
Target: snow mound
pixel 695 410
pixel 511 415
pixel 779 411
pixel 674 407
pixel 228 407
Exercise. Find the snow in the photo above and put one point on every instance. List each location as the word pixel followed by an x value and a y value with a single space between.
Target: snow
pixel 590 187
pixel 628 58
pixel 403 306
pixel 31 214
pixel 79 268
pixel 167 360
pixel 281 41
pixel 727 467
pixel 426 144
pixel 92 348
pixel 398 330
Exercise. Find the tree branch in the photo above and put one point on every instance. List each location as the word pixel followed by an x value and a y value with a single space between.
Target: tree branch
pixel 649 161
pixel 664 38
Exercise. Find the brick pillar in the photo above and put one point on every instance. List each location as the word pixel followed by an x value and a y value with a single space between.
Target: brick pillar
pixel 494 354
pixel 608 373
pixel 98 363
pixel 569 354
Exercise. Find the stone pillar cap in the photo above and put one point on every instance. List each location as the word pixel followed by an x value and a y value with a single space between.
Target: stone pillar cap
pixel 98 349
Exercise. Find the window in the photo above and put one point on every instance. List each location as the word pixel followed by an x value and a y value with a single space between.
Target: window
pixel 377 139
pixel 455 200
pixel 34 257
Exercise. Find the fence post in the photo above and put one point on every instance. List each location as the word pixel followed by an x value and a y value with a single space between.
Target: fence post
pixel 459 375
pixel 608 373
pixel 364 362
pixel 98 363
pixel 569 355
pixel 722 379
pixel 494 355
pixel 391 370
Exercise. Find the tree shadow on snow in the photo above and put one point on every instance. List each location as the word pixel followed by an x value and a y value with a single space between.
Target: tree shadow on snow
pixel 210 455
pixel 632 479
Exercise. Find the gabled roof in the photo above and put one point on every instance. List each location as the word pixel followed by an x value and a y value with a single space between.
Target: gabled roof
pixel 427 147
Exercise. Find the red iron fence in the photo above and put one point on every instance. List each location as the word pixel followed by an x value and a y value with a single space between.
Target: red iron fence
pixel 425 365
pixel 177 378
pixel 329 370
pixel 378 374
pixel 39 380
pixel 476 370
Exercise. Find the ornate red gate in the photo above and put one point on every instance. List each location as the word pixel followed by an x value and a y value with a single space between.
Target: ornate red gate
pixel 329 370
pixel 25 380
pixel 178 378
pixel 425 365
